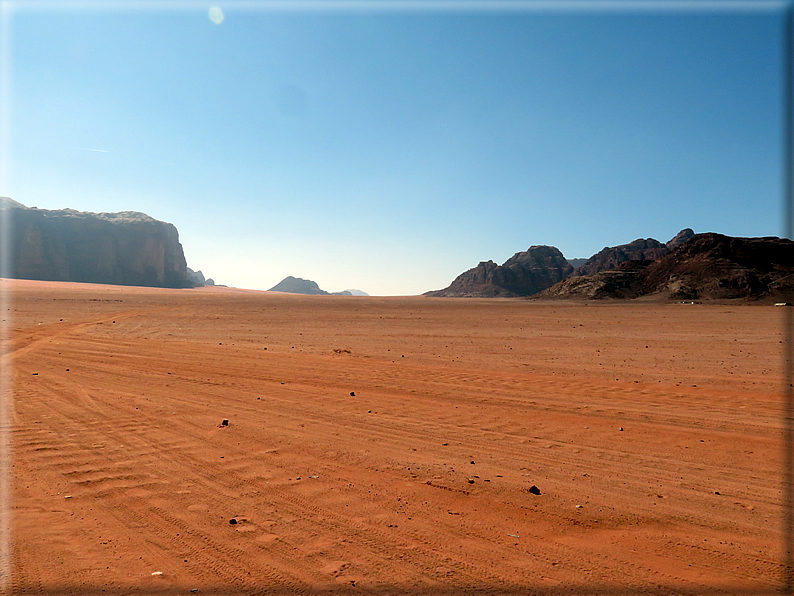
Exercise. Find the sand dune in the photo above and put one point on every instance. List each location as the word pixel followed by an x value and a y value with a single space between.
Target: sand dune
pixel 388 445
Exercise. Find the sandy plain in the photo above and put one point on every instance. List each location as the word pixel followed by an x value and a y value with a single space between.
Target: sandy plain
pixel 388 445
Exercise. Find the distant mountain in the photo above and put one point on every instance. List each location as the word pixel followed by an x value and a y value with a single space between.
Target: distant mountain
pixel 296 285
pixel 689 266
pixel 126 248
pixel 523 274
pixel 576 262
pixel 707 266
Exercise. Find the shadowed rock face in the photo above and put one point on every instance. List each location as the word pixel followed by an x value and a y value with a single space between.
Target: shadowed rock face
pixel 524 274
pixel 624 282
pixel 126 248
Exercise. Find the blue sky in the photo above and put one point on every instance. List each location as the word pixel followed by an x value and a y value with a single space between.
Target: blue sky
pixel 390 149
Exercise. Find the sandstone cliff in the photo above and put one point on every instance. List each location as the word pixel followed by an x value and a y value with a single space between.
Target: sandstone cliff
pixel 126 248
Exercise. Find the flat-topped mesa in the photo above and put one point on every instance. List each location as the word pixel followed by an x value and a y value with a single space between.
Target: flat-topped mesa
pixel 125 248
pixel 524 274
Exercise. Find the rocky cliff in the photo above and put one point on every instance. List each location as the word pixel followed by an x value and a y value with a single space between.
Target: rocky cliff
pixel 126 248
pixel 524 274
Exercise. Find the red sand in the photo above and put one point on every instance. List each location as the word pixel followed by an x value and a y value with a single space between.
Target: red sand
pixel 125 482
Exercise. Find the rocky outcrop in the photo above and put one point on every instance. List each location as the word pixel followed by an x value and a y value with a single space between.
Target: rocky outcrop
pixel 296 285
pixel 707 266
pixel 197 278
pixel 680 238
pixel 126 248
pixel 524 274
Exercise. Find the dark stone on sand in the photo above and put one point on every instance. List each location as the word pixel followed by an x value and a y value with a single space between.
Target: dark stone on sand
pixel 225 422
pixel 534 490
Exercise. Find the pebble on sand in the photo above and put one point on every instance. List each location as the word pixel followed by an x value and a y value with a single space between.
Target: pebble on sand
pixel 534 490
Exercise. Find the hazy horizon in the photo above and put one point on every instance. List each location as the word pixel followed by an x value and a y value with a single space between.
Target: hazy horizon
pixel 388 147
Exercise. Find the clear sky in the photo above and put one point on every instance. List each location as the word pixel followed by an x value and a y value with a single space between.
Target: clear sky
pixel 387 147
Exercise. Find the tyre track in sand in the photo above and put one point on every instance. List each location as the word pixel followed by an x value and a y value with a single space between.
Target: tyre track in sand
pixel 131 432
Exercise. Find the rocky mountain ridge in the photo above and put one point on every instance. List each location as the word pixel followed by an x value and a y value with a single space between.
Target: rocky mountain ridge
pixel 690 265
pixel 707 266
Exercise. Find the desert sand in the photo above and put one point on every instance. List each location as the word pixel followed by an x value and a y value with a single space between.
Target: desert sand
pixel 389 445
